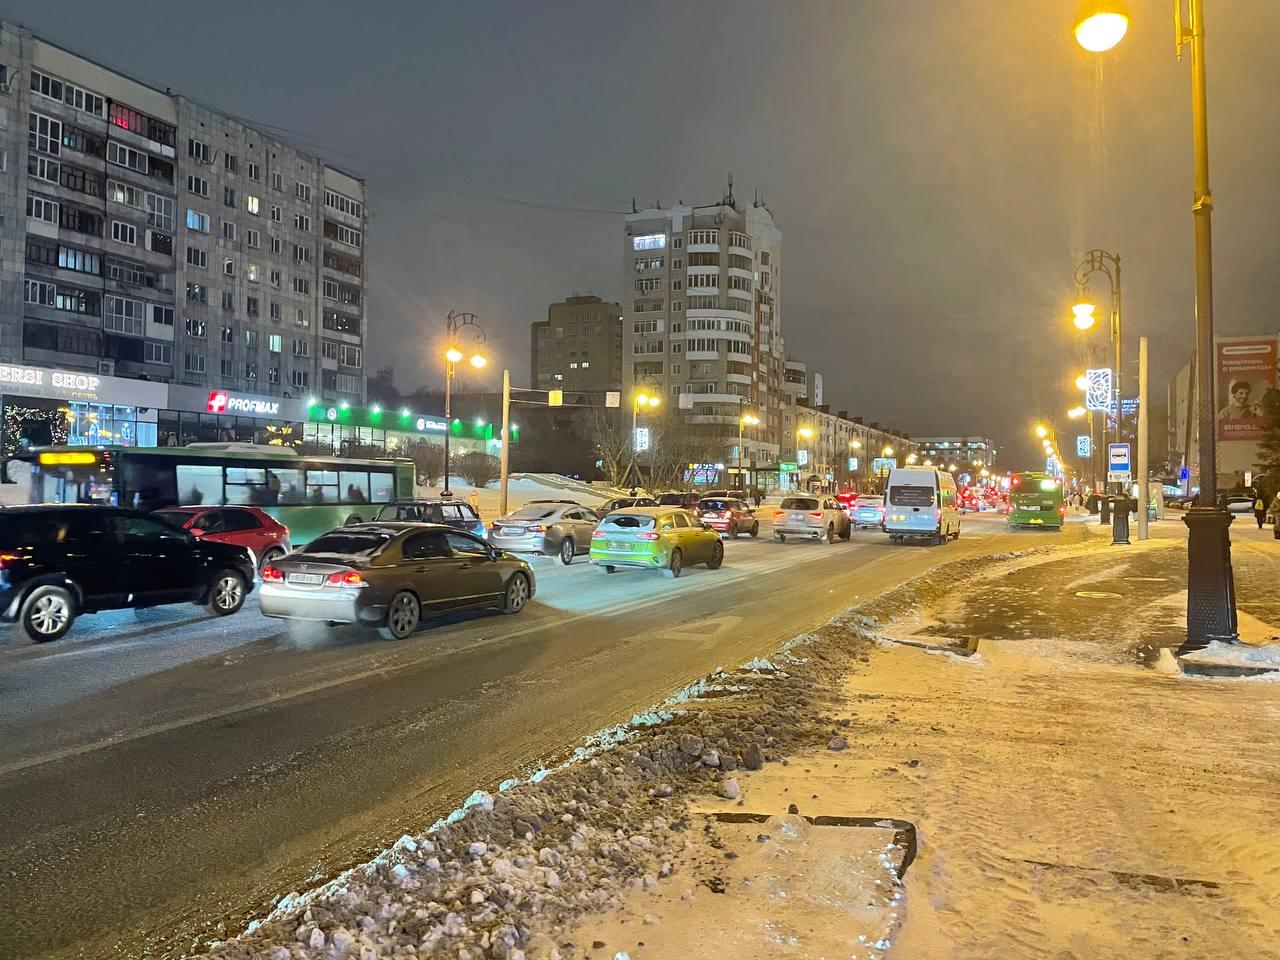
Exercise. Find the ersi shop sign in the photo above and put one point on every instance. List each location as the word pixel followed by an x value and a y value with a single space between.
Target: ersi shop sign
pixel 220 401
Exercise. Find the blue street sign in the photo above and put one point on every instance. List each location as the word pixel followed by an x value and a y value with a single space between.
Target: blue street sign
pixel 1118 463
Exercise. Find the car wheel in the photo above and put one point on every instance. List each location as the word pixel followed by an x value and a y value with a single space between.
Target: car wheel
pixel 847 532
pixel 517 593
pixel 755 530
pixel 403 614
pixel 270 556
pixel 47 613
pixel 675 566
pixel 733 532
pixel 226 593
pixel 566 551
pixel 717 556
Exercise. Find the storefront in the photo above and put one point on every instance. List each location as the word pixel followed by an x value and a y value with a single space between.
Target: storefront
pixel 201 415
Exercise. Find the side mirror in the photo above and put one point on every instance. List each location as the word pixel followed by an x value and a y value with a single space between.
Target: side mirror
pixel 196 532
pixel 494 553
pixel 354 518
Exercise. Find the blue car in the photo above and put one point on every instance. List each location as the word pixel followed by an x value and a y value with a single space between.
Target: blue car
pixel 867 511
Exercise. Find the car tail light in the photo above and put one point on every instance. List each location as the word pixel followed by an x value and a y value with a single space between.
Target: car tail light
pixel 272 574
pixel 345 578
pixel 779 513
pixel 598 534
pixel 816 514
pixel 537 528
pixel 7 558
pixel 647 536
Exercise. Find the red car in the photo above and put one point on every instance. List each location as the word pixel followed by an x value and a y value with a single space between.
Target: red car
pixel 265 539
pixel 727 516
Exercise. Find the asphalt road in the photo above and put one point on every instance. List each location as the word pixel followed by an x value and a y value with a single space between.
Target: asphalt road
pixel 164 778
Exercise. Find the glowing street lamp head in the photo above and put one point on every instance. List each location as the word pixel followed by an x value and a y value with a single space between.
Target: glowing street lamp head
pixel 479 360
pixel 1082 382
pixel 887 451
pixel 805 432
pixel 855 444
pixel 1041 431
pixel 453 354
pixel 750 420
pixel 1075 413
pixel 1083 316
pixel 1101 24
pixel 912 458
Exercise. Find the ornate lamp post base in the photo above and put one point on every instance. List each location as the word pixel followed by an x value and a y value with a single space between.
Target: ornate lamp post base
pixel 1211 588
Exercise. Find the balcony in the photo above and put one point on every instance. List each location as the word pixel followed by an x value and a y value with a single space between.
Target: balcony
pixel 740 357
pixel 702 354
pixel 742 251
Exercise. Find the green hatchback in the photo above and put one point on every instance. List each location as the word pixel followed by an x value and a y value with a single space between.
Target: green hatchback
pixel 655 538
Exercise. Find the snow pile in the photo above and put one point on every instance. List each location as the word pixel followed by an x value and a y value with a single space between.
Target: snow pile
pixel 1237 655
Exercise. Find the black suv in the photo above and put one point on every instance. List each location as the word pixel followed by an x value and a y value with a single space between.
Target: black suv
pixel 59 561
pixel 452 513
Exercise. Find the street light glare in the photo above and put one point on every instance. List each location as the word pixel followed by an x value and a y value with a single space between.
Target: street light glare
pixel 1101 24
pixel 1041 430
pixel 479 361
pixel 1082 382
pixel 1084 318
pixel 453 354
pixel 887 452
pixel 1075 413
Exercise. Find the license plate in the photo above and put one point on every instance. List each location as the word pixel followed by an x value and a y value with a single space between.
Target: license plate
pixel 620 547
pixel 310 579
pixel 797 516
pixel 1031 507
pixel 513 531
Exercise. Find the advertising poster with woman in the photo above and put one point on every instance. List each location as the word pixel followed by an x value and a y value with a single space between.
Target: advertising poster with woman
pixel 1246 373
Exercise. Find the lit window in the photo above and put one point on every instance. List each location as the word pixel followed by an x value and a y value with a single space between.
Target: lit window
pixel 251 204
pixel 650 241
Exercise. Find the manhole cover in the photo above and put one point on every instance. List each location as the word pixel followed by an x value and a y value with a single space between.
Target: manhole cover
pixel 1096 594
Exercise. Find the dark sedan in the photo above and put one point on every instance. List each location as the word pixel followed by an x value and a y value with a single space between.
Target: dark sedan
pixel 624 503
pixel 392 575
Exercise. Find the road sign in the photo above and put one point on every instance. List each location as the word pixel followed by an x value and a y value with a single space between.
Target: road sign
pixel 555 398
pixel 881 466
pixel 1119 467
pixel 1084 446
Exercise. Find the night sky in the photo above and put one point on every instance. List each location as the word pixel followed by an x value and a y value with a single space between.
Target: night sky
pixel 937 168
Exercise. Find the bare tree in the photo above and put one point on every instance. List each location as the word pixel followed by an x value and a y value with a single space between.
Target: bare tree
pixel 478 469
pixel 674 444
pixel 428 461
pixel 612 442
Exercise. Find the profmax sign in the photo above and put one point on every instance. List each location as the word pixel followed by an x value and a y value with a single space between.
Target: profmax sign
pixel 220 401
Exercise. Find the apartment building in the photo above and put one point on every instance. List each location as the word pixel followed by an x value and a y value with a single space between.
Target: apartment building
pixel 702 320
pixel 147 237
pixel 963 452
pixel 578 347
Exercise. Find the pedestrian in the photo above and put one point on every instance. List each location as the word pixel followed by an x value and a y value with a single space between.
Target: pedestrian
pixel 474 500
pixel 755 497
pixel 1260 509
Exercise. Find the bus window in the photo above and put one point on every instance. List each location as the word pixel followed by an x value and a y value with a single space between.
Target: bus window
pixel 246 485
pixel 354 485
pixel 199 484
pixel 322 486
pixel 381 487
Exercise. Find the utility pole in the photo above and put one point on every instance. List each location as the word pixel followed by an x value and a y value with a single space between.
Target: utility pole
pixel 1144 426
pixel 505 460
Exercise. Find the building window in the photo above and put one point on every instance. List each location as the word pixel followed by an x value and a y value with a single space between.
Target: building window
pixel 43 169
pixel 348 383
pixel 677 264
pixel 251 339
pixel 275 311
pixel 275 215
pixel 330 288
pixel 251 272
pixel 301 222
pixel 39 292
pixel 329 349
pixel 124 233
pixel 197 257
pixel 197 221
pixel 228 230
pixel 227 368
pixel 229 162
pixel 123 156
pixel 704 237
pixel 124 316
pixel 300 378
pixel 644 326
pixel 228 267
pixel 254 172
pixel 193 362
pixel 153 352
pixel 274 343
pixel 351 356
pixel 251 370
pixel 336 231
pixel 80 261
pixel 301 318
pixel 45 134
pixel 301 348
pixel 228 196
pixel 198 185
pixel 301 285
pixel 677 284
pixel 124 271
pixel 276 278
pixel 199 150
pixel 252 239
pixel 196 328
pixel 273 374
pixel 160 211
pixel 275 245
pixel 252 204
pixel 118 192
pixel 277 181
pixel 301 254
pixel 38 208
pixel 302 191
pixel 197 293
pixel 649 241
pixel 342 203
pixel 251 306
pixel 648 284
pixel 228 300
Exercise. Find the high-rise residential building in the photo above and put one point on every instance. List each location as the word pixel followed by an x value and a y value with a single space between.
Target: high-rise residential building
pixel 146 236
pixel 964 452
pixel 578 347
pixel 702 323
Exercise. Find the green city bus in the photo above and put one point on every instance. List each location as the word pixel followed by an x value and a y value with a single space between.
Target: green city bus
pixel 1035 500
pixel 309 495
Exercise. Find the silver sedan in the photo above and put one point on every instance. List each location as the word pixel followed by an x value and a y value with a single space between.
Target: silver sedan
pixel 556 528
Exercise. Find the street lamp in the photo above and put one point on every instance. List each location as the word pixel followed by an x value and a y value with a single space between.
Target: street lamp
pixel 649 401
pixel 746 420
pixel 456 324
pixel 1075 413
pixel 1211 593
pixel 1107 264
pixel 1083 316
pixel 1041 431
pixel 912 458
pixel 1101 24
pixel 887 451
pixel 1082 382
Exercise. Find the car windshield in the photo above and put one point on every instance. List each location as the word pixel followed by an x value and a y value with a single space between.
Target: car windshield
pixel 532 513
pixel 671 499
pixel 174 518
pixel 870 501
pixel 357 544
pixel 911 495
pixel 411 512
pixel 628 521
pixel 799 503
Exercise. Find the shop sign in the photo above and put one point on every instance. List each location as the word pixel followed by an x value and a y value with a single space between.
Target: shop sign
pixel 75 385
pixel 220 401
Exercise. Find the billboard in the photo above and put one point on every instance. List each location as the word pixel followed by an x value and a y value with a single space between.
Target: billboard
pixel 1246 370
